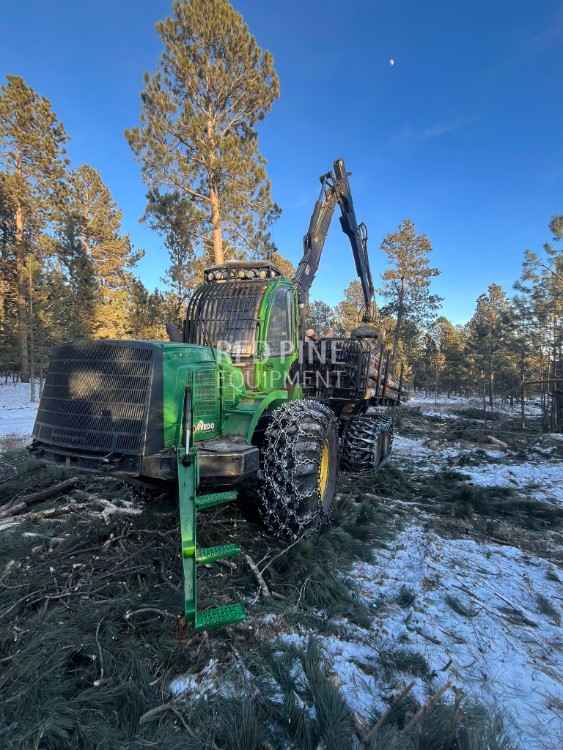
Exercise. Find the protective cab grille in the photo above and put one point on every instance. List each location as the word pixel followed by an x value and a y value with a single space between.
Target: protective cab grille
pixel 225 315
pixel 96 397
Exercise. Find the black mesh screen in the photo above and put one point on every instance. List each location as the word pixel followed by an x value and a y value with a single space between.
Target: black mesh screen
pixel 96 397
pixel 225 315
pixel 335 369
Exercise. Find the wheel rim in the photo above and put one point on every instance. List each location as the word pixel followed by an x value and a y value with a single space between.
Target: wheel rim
pixel 324 469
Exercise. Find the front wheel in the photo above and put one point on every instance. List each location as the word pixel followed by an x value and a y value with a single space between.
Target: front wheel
pixel 299 463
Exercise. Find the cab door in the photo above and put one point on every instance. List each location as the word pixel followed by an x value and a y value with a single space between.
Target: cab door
pixel 279 349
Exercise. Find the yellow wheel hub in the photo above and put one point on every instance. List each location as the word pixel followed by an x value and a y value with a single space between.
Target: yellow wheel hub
pixel 324 469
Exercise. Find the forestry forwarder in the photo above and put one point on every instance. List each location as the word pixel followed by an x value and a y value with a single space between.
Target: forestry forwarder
pixel 241 401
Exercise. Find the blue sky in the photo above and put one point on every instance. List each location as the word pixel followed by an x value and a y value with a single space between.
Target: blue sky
pixel 464 134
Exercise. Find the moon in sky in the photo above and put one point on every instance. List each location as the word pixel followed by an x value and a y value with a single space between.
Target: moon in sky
pixel 391 61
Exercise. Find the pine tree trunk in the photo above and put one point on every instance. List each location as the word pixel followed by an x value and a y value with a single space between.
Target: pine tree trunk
pixel 216 233
pixel 400 306
pixel 522 396
pixel 32 393
pixel 21 297
pixel 554 384
pixel 401 381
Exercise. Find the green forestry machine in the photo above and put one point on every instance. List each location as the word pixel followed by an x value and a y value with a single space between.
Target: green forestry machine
pixel 242 403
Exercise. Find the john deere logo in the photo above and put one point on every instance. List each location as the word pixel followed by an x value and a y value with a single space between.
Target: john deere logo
pixel 202 426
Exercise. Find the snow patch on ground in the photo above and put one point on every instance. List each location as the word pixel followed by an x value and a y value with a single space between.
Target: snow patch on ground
pixel 197 685
pixel 508 654
pixel 418 452
pixel 439 414
pixel 546 476
pixel 504 652
pixel 409 446
pixel 443 405
pixel 419 399
pixel 345 658
pixel 475 616
pixel 17 412
pixel 542 478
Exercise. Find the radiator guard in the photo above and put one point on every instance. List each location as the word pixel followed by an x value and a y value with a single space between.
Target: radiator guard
pixel 102 398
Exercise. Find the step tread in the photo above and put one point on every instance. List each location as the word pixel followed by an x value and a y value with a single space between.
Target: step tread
pixel 219 552
pixel 216 617
pixel 215 498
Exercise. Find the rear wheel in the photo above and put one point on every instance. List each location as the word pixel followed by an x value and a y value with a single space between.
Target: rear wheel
pixel 299 463
pixel 366 442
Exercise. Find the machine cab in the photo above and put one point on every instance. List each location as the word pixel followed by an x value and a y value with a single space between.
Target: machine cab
pixel 248 310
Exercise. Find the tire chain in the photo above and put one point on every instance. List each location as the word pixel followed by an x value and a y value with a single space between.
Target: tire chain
pixel 294 432
pixel 359 443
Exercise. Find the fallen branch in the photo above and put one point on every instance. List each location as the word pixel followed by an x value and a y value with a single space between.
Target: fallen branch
pixel 499 443
pixel 384 716
pixel 360 728
pixel 172 706
pixel 512 605
pixel 126 507
pixel 49 513
pixel 7 568
pixel 37 497
pixel 420 713
pixel 152 610
pixel 283 552
pixel 262 585
pixel 152 713
pixel 100 679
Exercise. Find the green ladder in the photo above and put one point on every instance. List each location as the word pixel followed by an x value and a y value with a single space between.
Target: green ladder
pixel 190 502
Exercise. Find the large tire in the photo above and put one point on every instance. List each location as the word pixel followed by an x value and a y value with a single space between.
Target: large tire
pixel 299 465
pixel 366 442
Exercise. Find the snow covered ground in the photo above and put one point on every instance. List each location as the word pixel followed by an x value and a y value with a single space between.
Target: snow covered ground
pixel 475 619
pixel 543 479
pixel 419 398
pixel 17 412
pixel 484 617
pixel 540 476
pixel 441 405
pixel 475 611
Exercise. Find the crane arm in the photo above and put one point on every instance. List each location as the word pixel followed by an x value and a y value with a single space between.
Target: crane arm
pixel 314 240
pixel 335 188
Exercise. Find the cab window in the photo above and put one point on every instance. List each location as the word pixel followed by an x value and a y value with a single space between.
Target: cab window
pixel 280 339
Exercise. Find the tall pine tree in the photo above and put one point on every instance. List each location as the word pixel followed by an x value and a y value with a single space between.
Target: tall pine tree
pixel 351 309
pixel 407 281
pixel 98 257
pixel 32 163
pixel 197 140
pixel 489 337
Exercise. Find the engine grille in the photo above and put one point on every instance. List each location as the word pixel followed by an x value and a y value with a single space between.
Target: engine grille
pixel 96 397
pixel 206 394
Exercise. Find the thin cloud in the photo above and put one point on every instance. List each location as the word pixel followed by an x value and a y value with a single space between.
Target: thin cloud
pixel 437 130
pixel 552 35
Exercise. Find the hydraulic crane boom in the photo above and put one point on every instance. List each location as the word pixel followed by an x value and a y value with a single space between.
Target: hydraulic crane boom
pixel 335 188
